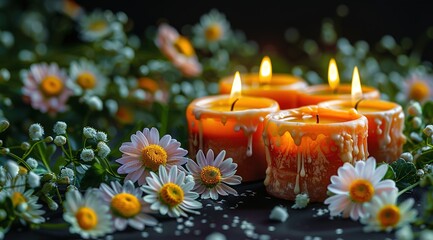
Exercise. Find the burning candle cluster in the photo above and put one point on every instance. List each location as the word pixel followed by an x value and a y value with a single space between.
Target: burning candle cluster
pixel 295 136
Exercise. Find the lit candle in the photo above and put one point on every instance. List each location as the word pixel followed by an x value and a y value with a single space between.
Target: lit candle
pixel 283 88
pixel 305 146
pixel 333 90
pixel 233 123
pixel 385 122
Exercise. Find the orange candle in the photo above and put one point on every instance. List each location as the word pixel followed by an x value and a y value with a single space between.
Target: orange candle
pixel 385 122
pixel 233 123
pixel 333 90
pixel 306 146
pixel 283 88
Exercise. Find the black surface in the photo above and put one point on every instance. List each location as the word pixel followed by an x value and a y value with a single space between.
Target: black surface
pixel 252 208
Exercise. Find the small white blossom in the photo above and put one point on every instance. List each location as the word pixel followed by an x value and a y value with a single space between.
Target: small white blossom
pixel 103 149
pixel 32 162
pixel 89 132
pixel 60 140
pixel 404 233
pixel 95 103
pixel 12 168
pixel 33 179
pixel 87 155
pixel 279 213
pixel 414 109
pixel 428 130
pixel 189 178
pixel 416 122
pixel 112 106
pixel 415 136
pixel 67 172
pixel 301 201
pixel 407 156
pixel 36 131
pixel 60 128
pixel 101 136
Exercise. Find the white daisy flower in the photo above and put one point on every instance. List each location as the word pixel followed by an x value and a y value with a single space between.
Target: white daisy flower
pixel 146 152
pixel 355 186
pixel 127 206
pixel 87 216
pixel 212 175
pixel 383 213
pixel 87 79
pixel 24 202
pixel 96 25
pixel 212 30
pixel 169 193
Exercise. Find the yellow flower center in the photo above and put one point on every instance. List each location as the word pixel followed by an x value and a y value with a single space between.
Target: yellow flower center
pixel 97 26
pixel 361 190
pixel 17 199
pixel 86 218
pixel 183 46
pixel 388 216
pixel 51 86
pixel 213 32
pixel 86 80
pixel 419 91
pixel 210 176
pixel 171 194
pixel 148 84
pixel 22 170
pixel 154 156
pixel 125 205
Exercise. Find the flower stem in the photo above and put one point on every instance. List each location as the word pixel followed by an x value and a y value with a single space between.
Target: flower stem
pixel 19 160
pixel 54 226
pixel 408 188
pixel 31 149
pixel 44 159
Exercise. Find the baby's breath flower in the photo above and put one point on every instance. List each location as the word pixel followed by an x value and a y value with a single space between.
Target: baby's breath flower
pixel 67 172
pixel 428 130
pixel 94 103
pixel 407 156
pixel 60 128
pixel 279 213
pixel 87 155
pixel 414 109
pixel 60 140
pixel 32 162
pixel 33 179
pixel 89 132
pixel 416 122
pixel 101 136
pixel 12 167
pixel 301 201
pixel 25 146
pixel 36 131
pixel 103 149
pixel 415 137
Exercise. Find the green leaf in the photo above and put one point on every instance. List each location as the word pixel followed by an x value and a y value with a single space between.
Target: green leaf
pixel 405 173
pixel 426 157
pixel 390 174
pixel 93 177
pixel 427 110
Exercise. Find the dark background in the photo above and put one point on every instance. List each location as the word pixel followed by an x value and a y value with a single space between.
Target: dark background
pixel 266 21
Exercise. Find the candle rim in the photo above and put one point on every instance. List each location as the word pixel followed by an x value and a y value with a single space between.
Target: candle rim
pixel 368 91
pixel 347 103
pixel 295 81
pixel 276 116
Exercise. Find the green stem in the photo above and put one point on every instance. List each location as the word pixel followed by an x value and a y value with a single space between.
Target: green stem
pixel 69 145
pixel 19 160
pixel 66 153
pixel 110 170
pixel 31 149
pixel 54 226
pixel 59 196
pixel 44 159
pixel 408 188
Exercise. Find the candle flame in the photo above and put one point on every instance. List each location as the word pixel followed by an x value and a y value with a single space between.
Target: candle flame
pixel 236 88
pixel 356 86
pixel 333 77
pixel 265 75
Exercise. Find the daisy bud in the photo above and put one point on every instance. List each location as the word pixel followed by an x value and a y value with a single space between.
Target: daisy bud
pixel 33 179
pixel 415 137
pixel 103 150
pixel 25 146
pixel 48 177
pixel 414 109
pixel 60 140
pixel 36 131
pixel 87 155
pixel 52 205
pixel 48 139
pixel 71 188
pixel 5 151
pixel 407 156
pixel 32 162
pixel 89 132
pixel 60 128
pixel 428 130
pixel 279 214
pixel 4 124
pixel 420 172
pixel 48 187
pixel 101 136
pixel 416 122
pixel 12 167
pixel 94 103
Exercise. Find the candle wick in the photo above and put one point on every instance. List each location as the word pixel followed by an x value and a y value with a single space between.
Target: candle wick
pixel 357 103
pixel 317 118
pixel 233 104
